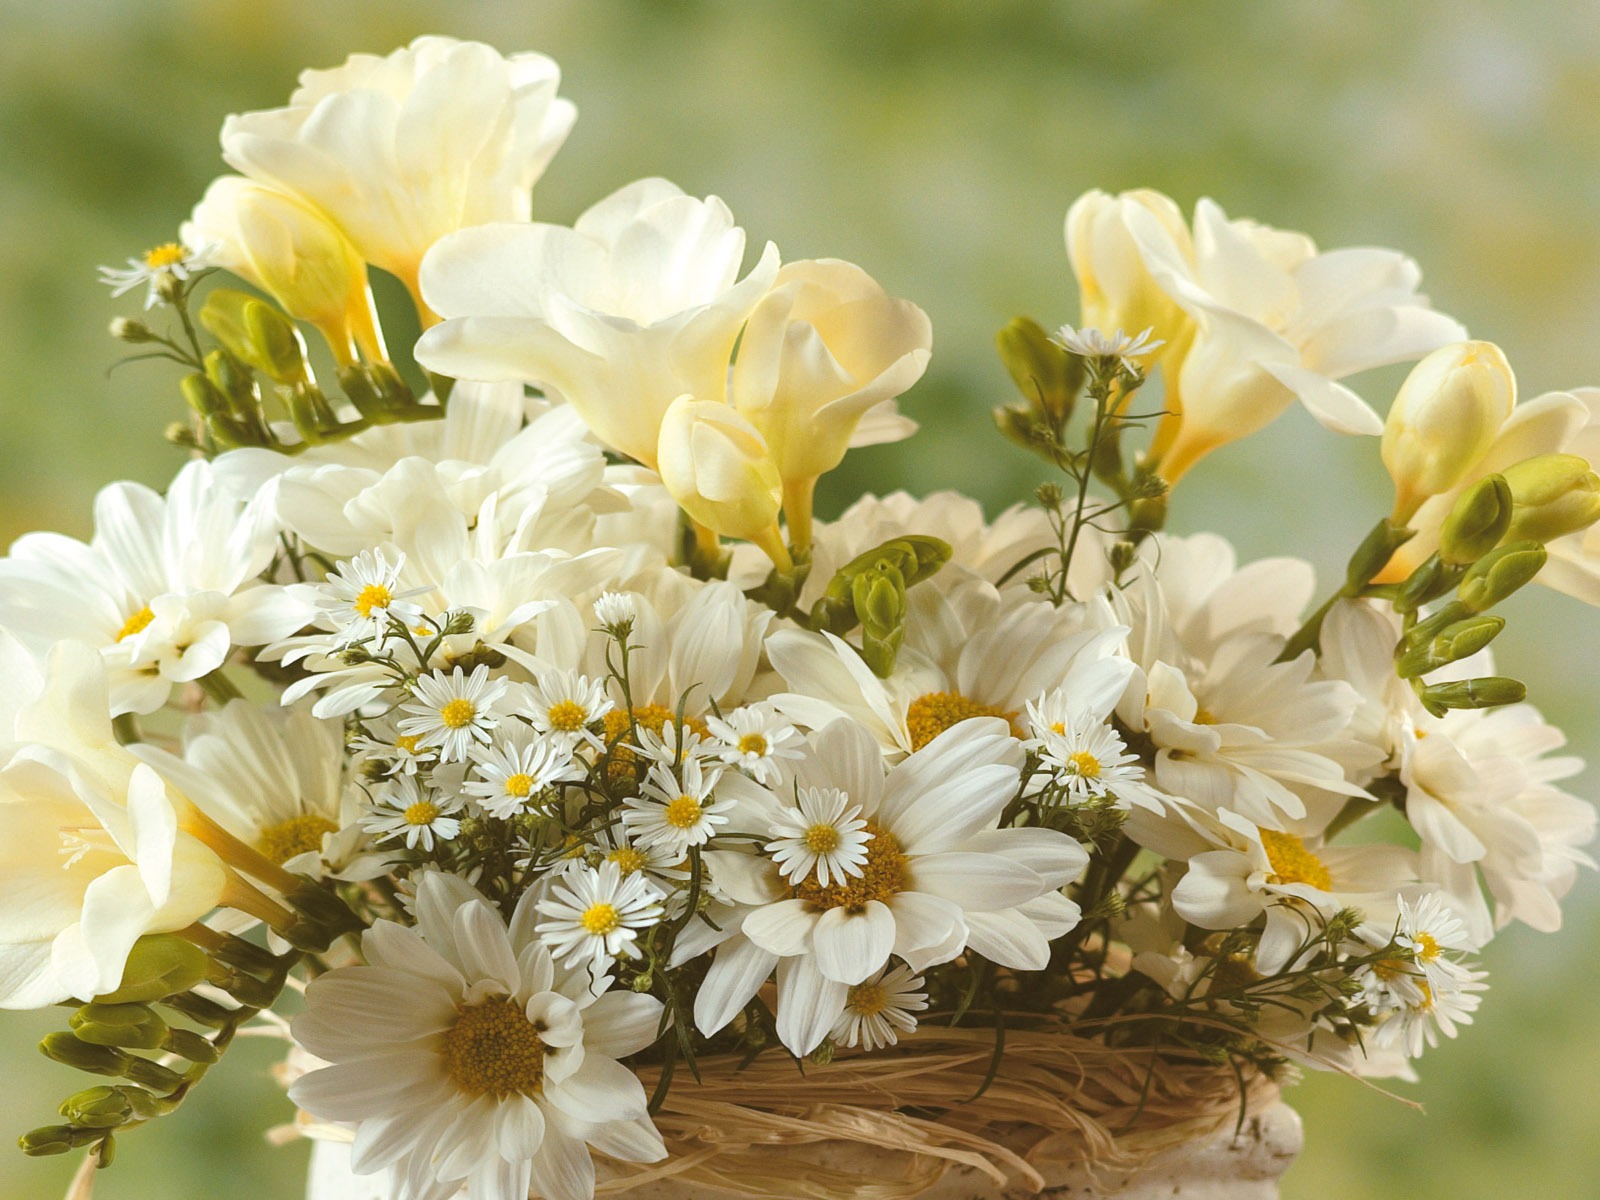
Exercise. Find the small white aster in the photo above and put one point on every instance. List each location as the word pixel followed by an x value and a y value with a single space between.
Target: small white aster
pixel 516 768
pixel 1419 1020
pixel 400 754
pixel 154 268
pixel 676 812
pixel 1427 929
pixel 824 833
pixel 666 871
pixel 879 1009
pixel 563 704
pixel 674 744
pixel 364 593
pixel 1087 756
pixel 754 738
pixel 1094 343
pixel 414 811
pixel 454 712
pixel 596 914
pixel 616 612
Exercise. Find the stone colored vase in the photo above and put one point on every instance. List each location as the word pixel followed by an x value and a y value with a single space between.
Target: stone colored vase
pixel 1221 1166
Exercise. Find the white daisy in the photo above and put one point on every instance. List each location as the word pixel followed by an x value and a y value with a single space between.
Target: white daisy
pixel 754 738
pixel 676 811
pixel 1085 754
pixel 454 712
pixel 1094 343
pixel 394 753
pixel 1423 1016
pixel 516 769
pixel 672 743
pixel 156 268
pixel 616 612
pixel 363 594
pixel 879 1009
pixel 824 833
pixel 564 704
pixel 420 814
pixel 596 914
pixel 665 870
pixel 467 1059
pixel 1428 928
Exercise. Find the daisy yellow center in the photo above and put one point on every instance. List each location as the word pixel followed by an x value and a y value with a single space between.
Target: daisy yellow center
pixel 297 835
pixel 600 919
pixel 567 716
pixel 868 999
pixel 407 742
pixel 458 714
pixel 1058 727
pixel 1085 765
pixel 683 813
pixel 930 715
pixel 653 717
pixel 1426 947
pixel 752 743
pixel 138 623
pixel 1388 969
pixel 519 784
pixel 628 860
pixel 1292 862
pixel 374 595
pixel 882 875
pixel 821 839
pixel 168 254
pixel 494 1050
pixel 422 812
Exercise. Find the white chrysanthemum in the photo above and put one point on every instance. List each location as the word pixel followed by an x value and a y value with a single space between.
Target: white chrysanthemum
pixel 1095 343
pixel 364 593
pixel 677 810
pixel 1083 753
pixel 564 704
pixel 155 269
pixel 516 768
pixel 823 834
pixel 466 1058
pixel 414 811
pixel 756 739
pixel 596 914
pixel 878 1010
pixel 454 712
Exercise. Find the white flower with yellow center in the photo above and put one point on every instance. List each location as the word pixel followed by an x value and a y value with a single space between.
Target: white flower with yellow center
pixel 678 809
pixel 1083 753
pixel 878 1010
pixel 511 773
pixel 564 704
pixel 419 814
pixel 616 612
pixel 665 870
pixel 364 594
pixel 596 914
pixel 156 268
pixel 470 1063
pixel 823 834
pixel 1088 342
pixel 756 740
pixel 1422 1014
pixel 454 712
pixel 391 752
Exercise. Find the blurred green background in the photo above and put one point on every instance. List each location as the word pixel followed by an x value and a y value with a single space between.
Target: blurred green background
pixel 938 144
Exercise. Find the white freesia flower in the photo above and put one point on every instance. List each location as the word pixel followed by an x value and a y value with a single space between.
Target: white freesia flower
pixel 637 304
pixel 1116 288
pixel 716 465
pixel 466 1058
pixel 402 150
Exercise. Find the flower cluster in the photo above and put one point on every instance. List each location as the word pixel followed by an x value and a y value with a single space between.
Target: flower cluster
pixel 530 708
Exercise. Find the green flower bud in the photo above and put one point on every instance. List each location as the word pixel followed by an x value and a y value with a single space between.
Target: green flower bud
pixel 56 1139
pixel 1477 522
pixel 109 1107
pixel 69 1050
pixel 1043 371
pixel 1488 691
pixel 131 1026
pixel 125 329
pixel 200 394
pixel 880 600
pixel 258 334
pixel 1454 642
pixel 1374 553
pixel 159 965
pixel 1554 495
pixel 1427 583
pixel 823 1054
pixel 1500 573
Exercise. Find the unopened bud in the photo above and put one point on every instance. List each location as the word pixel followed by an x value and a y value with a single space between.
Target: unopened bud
pixel 159 965
pixel 1376 549
pixel 1443 420
pixel 1122 555
pixel 1499 573
pixel 126 329
pixel 203 396
pixel 822 1055
pixel 56 1139
pixel 1042 369
pixel 1553 495
pixel 642 982
pixel 109 1107
pixel 880 600
pixel 131 1026
pixel 1477 522
pixel 1488 691
pixel 1454 642
pixel 69 1050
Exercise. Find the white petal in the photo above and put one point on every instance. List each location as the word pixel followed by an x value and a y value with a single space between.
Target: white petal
pixel 852 945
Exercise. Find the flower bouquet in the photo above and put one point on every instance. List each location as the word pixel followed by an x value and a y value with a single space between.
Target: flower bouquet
pixel 503 730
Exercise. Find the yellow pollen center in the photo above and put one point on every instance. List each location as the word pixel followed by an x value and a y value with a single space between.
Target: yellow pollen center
pixel 137 623
pixel 930 715
pixel 752 743
pixel 422 812
pixel 1085 765
pixel 494 1050
pixel 821 839
pixel 458 714
pixel 1426 947
pixel 684 813
pixel 882 875
pixel 169 254
pixel 407 742
pixel 654 717
pixel 1204 716
pixel 1058 727
pixel 283 841
pixel 518 784
pixel 1388 969
pixel 600 919
pixel 867 999
pixel 567 716
pixel 1292 862
pixel 628 860
pixel 374 595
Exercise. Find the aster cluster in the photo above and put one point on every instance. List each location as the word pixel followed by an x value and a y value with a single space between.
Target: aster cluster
pixel 524 705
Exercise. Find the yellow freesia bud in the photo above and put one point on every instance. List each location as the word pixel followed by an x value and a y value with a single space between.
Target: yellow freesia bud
pixel 296 255
pixel 1552 495
pixel 715 464
pixel 1115 287
pixel 1444 419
